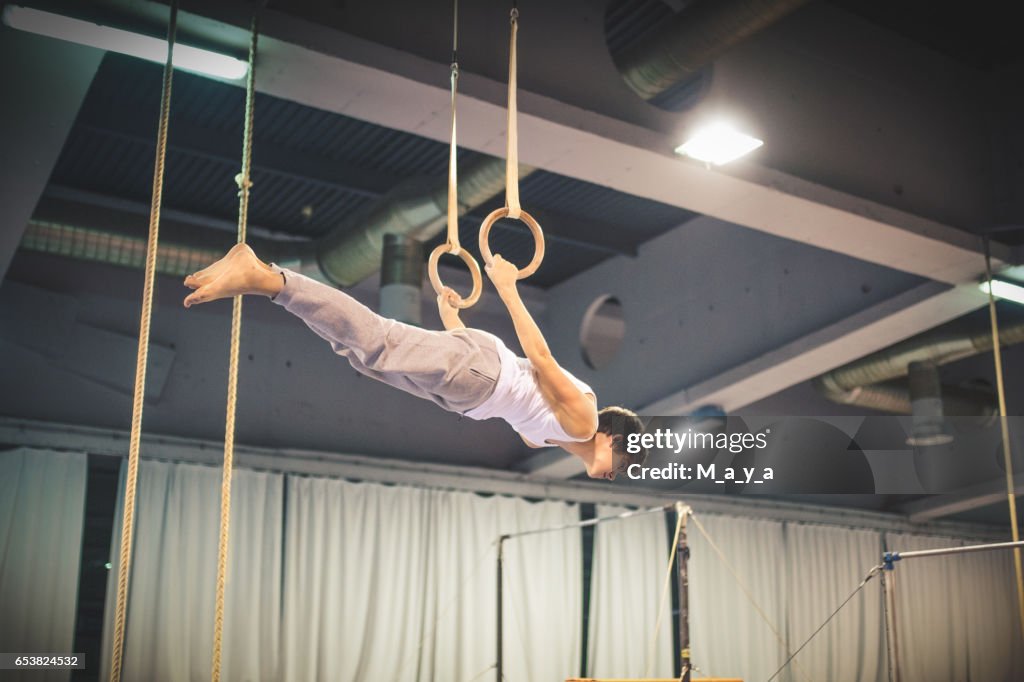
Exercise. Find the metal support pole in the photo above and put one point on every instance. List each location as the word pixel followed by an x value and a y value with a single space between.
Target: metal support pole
pixel 889 599
pixel 682 556
pixel 500 673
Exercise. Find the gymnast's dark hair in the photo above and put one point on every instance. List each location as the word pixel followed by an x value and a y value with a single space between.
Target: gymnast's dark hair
pixel 618 421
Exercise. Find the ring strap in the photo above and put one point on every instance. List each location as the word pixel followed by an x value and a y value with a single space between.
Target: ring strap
pixel 452 246
pixel 512 152
pixel 453 178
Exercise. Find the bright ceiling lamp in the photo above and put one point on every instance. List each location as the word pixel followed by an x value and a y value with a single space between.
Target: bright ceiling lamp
pixel 125 42
pixel 1007 290
pixel 718 143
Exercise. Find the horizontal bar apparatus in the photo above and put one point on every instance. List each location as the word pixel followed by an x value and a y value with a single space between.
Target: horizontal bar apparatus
pixel 890 557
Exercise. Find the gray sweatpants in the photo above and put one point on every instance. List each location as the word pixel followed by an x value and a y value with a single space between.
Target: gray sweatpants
pixel 456 369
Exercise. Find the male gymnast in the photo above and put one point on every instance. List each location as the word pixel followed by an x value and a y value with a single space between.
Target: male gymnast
pixel 467 371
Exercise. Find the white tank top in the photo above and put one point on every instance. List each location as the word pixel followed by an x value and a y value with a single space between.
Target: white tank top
pixel 517 399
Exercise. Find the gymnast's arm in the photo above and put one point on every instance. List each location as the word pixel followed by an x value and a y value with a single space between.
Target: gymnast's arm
pixel 447 307
pixel 576 411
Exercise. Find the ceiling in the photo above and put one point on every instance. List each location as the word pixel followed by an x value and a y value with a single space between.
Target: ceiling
pixel 313 169
pixel 983 39
pixel 890 147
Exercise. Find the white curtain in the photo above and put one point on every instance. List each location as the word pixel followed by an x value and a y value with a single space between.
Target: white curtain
pixel 543 591
pixel 956 615
pixel 630 558
pixel 42 505
pixel 729 638
pixel 169 625
pixel 357 581
pixel 825 565
pixel 931 631
pixel 389 583
pixel 993 624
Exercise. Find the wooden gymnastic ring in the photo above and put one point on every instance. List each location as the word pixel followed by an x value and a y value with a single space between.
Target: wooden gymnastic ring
pixel 474 270
pixel 538 239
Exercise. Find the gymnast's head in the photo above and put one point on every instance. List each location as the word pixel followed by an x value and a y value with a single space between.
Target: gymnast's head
pixel 611 458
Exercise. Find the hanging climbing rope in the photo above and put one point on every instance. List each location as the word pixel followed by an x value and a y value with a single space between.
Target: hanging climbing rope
pixel 128 515
pixel 512 209
pixel 244 181
pixel 452 246
pixel 1004 430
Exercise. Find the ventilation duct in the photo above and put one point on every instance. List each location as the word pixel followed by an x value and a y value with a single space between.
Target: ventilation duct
pixel 929 425
pixel 114 248
pixel 401 275
pixel 869 382
pixel 693 39
pixel 350 253
pixel 894 397
pixel 415 209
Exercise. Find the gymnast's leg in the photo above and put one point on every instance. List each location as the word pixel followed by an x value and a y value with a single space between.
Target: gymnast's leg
pixel 456 370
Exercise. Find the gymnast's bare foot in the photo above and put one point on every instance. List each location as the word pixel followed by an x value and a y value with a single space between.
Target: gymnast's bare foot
pixel 238 272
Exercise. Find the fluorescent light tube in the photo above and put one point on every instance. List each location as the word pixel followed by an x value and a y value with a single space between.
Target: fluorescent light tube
pixel 718 143
pixel 1006 290
pixel 125 42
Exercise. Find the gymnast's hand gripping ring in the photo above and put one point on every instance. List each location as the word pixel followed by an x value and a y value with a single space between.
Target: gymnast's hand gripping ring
pixel 467 258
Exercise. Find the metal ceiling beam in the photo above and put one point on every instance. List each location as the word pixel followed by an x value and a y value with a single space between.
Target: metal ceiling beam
pixel 44 82
pixel 966 499
pixel 878 327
